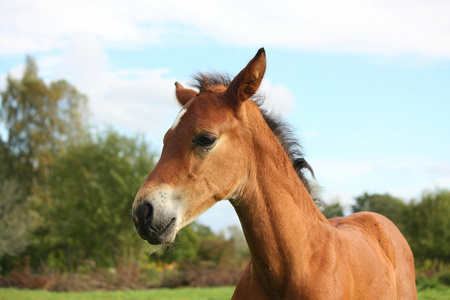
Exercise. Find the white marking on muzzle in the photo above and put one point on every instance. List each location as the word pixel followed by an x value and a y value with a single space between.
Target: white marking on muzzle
pixel 165 200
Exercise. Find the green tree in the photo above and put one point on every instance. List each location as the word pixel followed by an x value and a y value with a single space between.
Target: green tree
pixel 391 207
pixel 15 219
pixel 213 247
pixel 39 120
pixel 88 198
pixel 428 226
pixel 333 210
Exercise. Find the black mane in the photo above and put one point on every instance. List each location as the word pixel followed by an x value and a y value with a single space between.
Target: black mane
pixel 279 128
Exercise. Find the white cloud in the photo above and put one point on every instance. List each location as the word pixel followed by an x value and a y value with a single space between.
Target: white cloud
pixel 135 100
pixel 375 27
pixel 16 72
pixel 85 60
pixel 440 168
pixel 31 26
pixel 145 104
pixel 350 26
pixel 278 98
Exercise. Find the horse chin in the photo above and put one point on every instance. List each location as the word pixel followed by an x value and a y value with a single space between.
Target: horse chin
pixel 162 239
pixel 165 235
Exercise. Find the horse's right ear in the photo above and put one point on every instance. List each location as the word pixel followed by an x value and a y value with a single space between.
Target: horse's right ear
pixel 183 95
pixel 247 82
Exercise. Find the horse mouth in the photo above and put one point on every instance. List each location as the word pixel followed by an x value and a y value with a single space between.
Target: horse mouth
pixel 162 233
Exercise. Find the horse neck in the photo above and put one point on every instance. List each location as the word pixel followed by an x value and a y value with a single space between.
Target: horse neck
pixel 280 220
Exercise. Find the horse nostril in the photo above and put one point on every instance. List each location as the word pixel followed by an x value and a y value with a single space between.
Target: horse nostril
pixel 148 212
pixel 143 214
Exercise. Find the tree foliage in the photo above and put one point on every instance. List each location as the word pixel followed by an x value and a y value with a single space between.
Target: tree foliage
pixel 40 120
pixel 428 227
pixel 213 247
pixel 15 219
pixel 88 198
pixel 333 210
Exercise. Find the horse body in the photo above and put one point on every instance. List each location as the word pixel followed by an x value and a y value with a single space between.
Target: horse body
pixel 221 147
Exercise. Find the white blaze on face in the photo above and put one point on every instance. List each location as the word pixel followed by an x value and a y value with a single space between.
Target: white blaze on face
pixel 177 120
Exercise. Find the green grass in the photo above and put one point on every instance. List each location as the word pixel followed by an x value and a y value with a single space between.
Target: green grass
pixel 217 293
pixel 438 293
pixel 441 293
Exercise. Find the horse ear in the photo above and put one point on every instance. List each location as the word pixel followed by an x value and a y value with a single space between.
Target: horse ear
pixel 247 82
pixel 183 95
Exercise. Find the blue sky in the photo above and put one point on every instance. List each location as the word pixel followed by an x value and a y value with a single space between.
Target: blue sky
pixel 365 84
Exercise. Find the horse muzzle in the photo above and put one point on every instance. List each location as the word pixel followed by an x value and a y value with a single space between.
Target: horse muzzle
pixel 156 217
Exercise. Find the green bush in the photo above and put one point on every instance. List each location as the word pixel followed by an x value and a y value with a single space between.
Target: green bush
pixel 444 277
pixel 424 282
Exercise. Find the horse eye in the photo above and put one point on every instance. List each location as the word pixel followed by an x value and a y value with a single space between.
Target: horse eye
pixel 205 140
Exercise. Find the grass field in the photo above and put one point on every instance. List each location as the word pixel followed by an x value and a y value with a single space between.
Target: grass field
pixel 163 294
pixel 217 293
pixel 441 293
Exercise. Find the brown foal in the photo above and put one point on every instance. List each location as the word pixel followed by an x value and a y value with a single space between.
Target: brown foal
pixel 223 146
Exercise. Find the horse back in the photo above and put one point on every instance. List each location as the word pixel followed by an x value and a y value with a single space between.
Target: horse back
pixel 388 258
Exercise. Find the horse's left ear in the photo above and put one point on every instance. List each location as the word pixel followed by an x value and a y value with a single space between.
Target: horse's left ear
pixel 247 82
pixel 183 95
